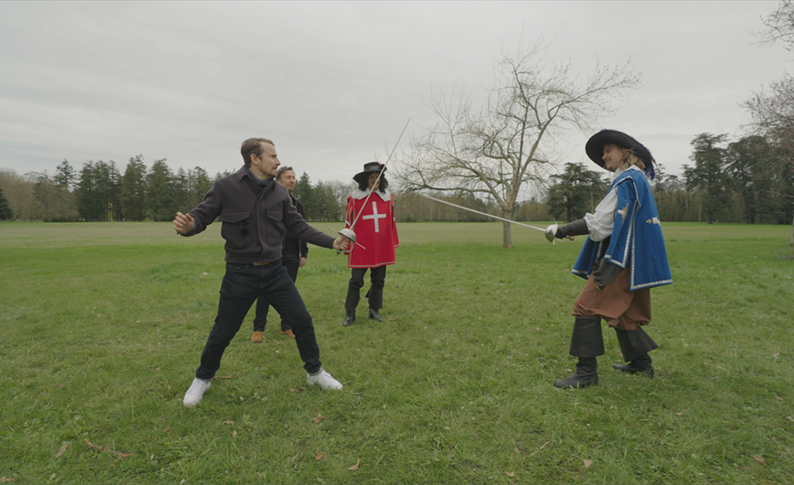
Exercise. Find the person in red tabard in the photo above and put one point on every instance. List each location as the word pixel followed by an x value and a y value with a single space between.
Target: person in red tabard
pixel 376 230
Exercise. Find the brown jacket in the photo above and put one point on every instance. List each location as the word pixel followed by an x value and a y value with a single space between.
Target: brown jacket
pixel 265 216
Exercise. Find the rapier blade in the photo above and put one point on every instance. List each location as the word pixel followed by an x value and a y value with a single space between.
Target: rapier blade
pixel 481 213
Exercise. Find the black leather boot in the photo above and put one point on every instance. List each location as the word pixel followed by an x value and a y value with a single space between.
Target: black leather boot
pixel 375 298
pixel 635 345
pixel 351 302
pixel 584 376
pixel 587 343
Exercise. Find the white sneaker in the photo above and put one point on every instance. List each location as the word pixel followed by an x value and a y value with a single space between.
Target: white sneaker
pixel 324 380
pixel 196 392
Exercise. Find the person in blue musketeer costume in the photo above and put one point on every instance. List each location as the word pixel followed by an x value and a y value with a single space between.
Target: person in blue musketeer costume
pixel 622 259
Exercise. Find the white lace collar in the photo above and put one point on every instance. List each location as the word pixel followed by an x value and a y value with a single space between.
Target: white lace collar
pixel 359 194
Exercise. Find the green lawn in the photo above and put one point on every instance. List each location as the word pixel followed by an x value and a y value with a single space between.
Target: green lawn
pixel 104 323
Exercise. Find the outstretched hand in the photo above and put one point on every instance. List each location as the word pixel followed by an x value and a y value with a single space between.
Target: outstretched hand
pixel 341 243
pixel 184 223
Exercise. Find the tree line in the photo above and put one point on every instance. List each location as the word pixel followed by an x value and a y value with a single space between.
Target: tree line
pixel 744 181
pixel 100 192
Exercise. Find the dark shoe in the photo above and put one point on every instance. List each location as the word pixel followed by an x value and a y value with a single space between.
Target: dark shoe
pixel 584 376
pixel 635 344
pixel 577 381
pixel 632 370
pixel 349 319
pixel 373 314
pixel 640 365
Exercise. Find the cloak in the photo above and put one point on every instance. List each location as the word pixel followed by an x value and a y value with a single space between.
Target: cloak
pixel 636 239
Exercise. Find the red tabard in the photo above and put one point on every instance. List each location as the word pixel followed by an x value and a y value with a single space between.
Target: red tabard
pixel 376 230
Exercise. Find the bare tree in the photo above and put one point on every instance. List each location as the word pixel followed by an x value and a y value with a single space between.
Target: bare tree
pixel 773 116
pixel 496 150
pixel 20 193
pixel 773 108
pixel 341 192
pixel 779 26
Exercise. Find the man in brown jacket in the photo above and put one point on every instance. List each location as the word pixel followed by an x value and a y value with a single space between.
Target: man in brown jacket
pixel 255 212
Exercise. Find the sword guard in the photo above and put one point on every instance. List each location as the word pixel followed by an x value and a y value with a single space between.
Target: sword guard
pixel 348 233
pixel 551 233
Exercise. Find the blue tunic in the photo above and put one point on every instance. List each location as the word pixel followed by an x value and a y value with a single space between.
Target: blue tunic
pixel 636 240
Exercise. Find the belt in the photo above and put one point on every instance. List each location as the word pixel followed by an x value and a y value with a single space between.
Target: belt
pixel 261 264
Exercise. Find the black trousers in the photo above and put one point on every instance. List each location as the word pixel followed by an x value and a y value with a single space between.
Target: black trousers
pixel 375 294
pixel 292 262
pixel 242 285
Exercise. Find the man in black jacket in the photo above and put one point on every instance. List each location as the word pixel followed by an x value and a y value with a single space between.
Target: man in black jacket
pixel 255 212
pixel 293 256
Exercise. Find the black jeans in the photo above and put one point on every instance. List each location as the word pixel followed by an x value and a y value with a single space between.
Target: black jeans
pixel 242 285
pixel 292 262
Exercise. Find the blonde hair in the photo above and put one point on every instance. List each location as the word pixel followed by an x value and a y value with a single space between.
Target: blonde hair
pixel 630 158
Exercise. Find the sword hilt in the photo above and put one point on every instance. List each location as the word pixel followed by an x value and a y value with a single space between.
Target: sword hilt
pixel 348 233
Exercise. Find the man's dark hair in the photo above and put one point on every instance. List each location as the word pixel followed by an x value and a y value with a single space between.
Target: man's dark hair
pixel 382 186
pixel 252 146
pixel 281 170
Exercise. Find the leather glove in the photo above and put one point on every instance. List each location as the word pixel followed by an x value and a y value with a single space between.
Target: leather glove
pixel 575 228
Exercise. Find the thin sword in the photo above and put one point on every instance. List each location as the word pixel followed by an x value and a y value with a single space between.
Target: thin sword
pixel 571 238
pixel 379 174
pixel 481 213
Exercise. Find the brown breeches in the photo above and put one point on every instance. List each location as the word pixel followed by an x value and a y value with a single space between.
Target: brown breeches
pixel 614 303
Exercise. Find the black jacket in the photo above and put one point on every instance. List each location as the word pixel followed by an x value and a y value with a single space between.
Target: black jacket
pixel 299 246
pixel 253 225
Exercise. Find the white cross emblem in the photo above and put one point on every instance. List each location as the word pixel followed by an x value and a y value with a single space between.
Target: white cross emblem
pixel 375 216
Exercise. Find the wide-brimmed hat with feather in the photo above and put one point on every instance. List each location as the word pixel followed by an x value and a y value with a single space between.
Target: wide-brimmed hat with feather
pixel 595 148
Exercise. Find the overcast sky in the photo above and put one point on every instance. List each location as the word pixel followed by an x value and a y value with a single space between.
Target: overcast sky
pixel 333 83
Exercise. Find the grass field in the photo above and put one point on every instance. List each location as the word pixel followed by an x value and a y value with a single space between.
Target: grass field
pixel 103 326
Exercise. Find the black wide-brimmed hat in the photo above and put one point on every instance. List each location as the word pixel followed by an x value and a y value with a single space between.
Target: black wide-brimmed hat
pixel 369 168
pixel 595 148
